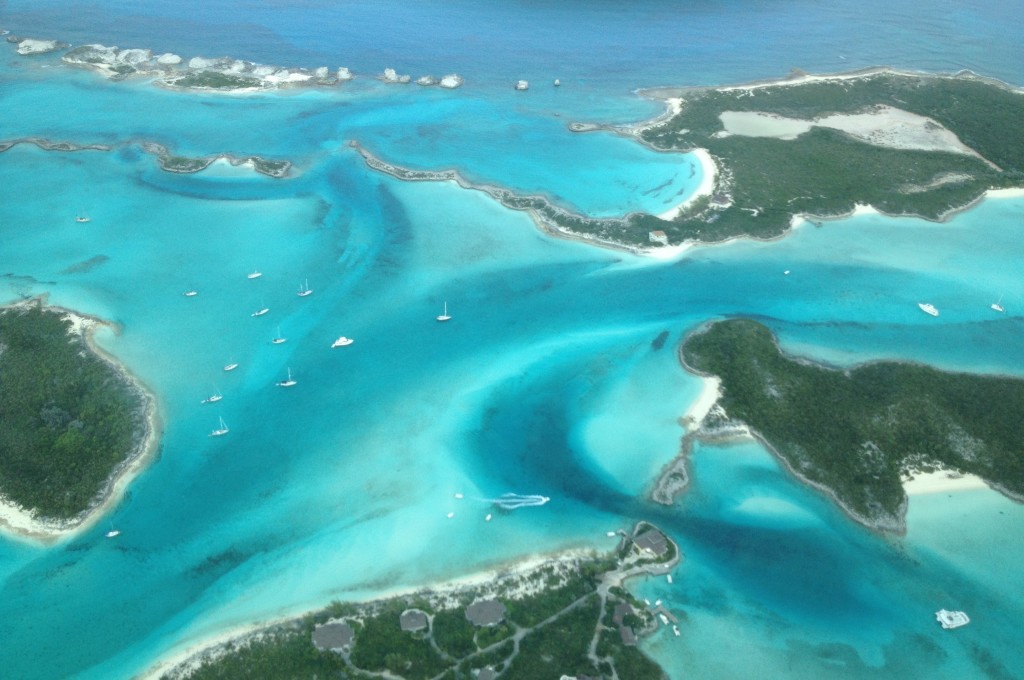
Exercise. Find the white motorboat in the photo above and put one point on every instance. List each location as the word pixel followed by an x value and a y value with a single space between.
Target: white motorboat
pixel 444 316
pixel 222 429
pixel 230 367
pixel 342 342
pixel 261 311
pixel 928 309
pixel 82 219
pixel 112 533
pixel 213 398
pixel 290 382
pixel 190 293
pixel 256 273
pixel 951 619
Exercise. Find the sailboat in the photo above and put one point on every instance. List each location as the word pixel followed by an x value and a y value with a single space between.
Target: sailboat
pixel 213 398
pixel 191 292
pixel 998 305
pixel 231 366
pixel 261 311
pixel 256 273
pixel 82 219
pixel 305 290
pixel 278 339
pixel 342 342
pixel 221 430
pixel 290 382
pixel 444 316
pixel 112 533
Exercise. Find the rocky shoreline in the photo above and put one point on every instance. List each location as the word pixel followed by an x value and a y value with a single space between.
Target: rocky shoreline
pixel 203 74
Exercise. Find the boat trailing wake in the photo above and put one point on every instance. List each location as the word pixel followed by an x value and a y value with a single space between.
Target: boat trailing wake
pixel 514 501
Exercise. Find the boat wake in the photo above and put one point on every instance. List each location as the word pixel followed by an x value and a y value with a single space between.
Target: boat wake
pixel 514 501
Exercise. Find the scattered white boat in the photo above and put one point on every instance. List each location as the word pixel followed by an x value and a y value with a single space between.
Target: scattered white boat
pixel 82 219
pixel 278 339
pixel 998 305
pixel 304 289
pixel 444 316
pixel 190 293
pixel 928 309
pixel 213 398
pixel 675 630
pixel 112 533
pixel 261 311
pixel 664 619
pixel 342 342
pixel 668 577
pixel 222 429
pixel 610 534
pixel 290 382
pixel 488 518
pixel 230 367
pixel 450 515
pixel 557 82
pixel 459 496
pixel 256 273
pixel 657 603
pixel 951 619
pixel 786 273
pixel 522 85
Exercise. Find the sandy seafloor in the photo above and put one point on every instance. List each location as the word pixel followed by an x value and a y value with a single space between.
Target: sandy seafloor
pixel 546 381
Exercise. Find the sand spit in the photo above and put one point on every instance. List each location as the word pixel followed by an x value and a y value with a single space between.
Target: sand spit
pixel 20 523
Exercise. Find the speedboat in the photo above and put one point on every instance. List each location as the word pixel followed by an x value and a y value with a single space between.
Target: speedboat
pixel 213 398
pixel 342 342
pixel 256 273
pixel 928 309
pixel 112 533
pixel 190 293
pixel 261 311
pixel 951 619
pixel 230 367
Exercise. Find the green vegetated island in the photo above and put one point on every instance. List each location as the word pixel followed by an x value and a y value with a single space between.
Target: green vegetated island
pixel 856 433
pixel 566 617
pixel 73 422
pixel 905 144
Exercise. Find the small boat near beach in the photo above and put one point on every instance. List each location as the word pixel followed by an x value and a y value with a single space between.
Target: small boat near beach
pixel 928 308
pixel 675 630
pixel 951 619
pixel 278 339
pixel 444 315
pixel 222 429
pixel 290 382
pixel 304 289
pixel 112 533
pixel 256 273
pixel 488 518
pixel 342 342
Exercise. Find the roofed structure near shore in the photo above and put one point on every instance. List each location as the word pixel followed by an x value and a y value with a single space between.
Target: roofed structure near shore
pixel 486 613
pixel 413 620
pixel 333 636
pixel 652 541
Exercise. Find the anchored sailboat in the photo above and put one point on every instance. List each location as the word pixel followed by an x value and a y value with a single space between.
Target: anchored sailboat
pixel 444 316
pixel 290 382
pixel 222 429
pixel 278 339
pixel 304 289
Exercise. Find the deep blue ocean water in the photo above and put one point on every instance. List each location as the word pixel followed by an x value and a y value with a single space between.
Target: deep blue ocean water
pixel 546 381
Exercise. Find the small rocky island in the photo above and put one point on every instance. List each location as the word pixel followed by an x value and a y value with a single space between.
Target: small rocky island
pixel 73 421
pixel 567 616
pixel 856 433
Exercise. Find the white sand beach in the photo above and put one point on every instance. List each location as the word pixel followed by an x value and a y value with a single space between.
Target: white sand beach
pixel 941 481
pixel 711 391
pixel 709 175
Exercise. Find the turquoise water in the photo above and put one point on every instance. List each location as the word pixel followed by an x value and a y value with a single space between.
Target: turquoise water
pixel 548 379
